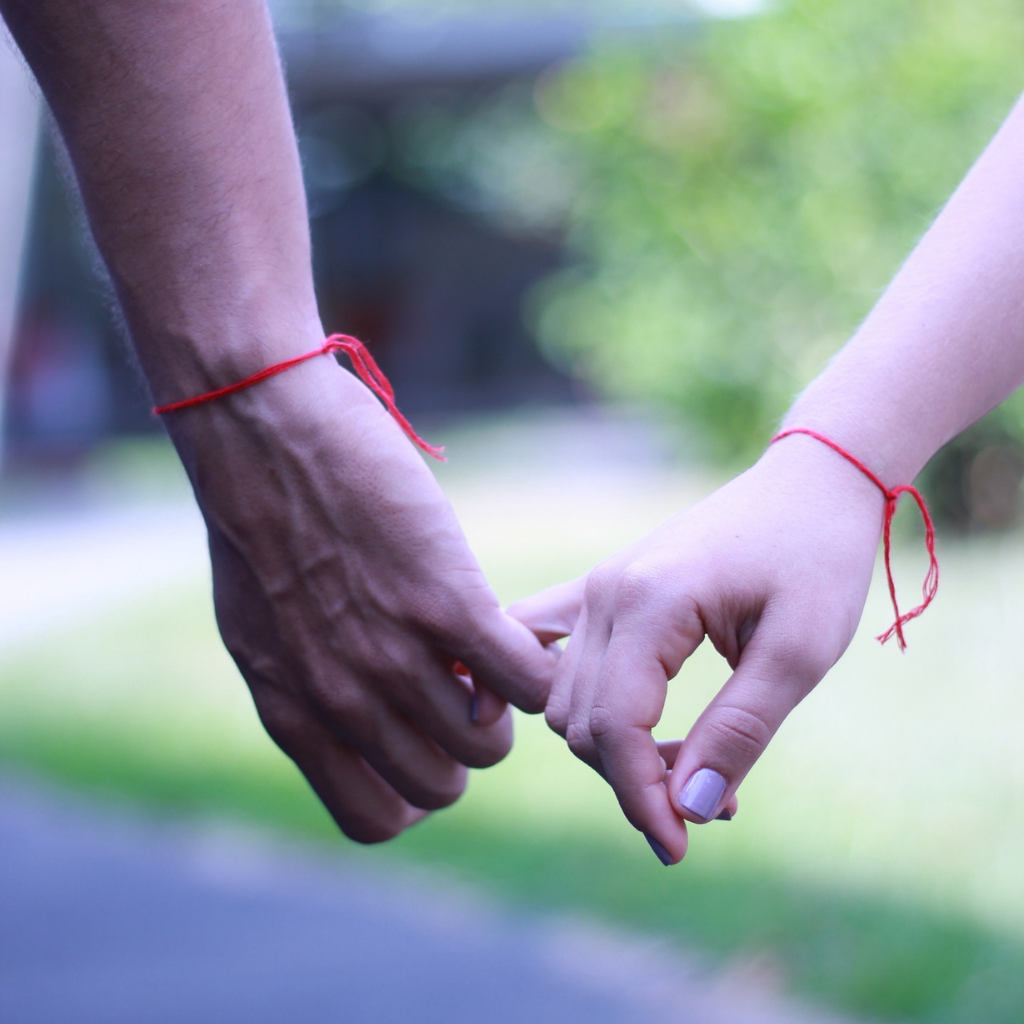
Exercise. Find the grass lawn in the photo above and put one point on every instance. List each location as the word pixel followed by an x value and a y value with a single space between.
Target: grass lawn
pixel 875 864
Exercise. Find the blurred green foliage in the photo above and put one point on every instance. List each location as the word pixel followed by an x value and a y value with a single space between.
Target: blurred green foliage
pixel 750 186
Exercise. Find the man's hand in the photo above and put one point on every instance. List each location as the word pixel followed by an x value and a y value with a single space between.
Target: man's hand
pixel 348 596
pixel 774 568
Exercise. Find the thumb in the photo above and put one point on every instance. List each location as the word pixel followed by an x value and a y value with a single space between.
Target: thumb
pixel 737 726
pixel 552 613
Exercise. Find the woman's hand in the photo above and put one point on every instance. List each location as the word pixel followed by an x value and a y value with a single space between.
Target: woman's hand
pixel 774 568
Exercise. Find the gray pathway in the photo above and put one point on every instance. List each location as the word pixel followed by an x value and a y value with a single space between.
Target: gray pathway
pixel 110 919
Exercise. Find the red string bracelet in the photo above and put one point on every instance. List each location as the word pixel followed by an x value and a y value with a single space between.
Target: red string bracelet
pixel 362 362
pixel 892 497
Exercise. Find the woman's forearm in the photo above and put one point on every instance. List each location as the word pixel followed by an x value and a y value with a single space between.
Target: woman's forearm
pixel 175 116
pixel 945 344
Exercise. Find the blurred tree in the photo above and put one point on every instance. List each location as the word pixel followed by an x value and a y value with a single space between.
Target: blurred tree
pixel 750 187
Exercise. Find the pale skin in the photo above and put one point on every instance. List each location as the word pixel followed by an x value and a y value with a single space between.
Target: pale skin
pixel 774 567
pixel 343 585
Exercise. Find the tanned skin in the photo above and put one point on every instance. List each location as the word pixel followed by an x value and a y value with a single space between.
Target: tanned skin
pixel 343 585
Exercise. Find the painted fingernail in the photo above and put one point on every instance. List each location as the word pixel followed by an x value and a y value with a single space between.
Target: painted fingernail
pixel 659 851
pixel 726 815
pixel 474 709
pixel 702 792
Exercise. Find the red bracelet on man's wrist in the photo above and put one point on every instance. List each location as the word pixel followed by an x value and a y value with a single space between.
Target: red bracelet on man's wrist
pixel 362 362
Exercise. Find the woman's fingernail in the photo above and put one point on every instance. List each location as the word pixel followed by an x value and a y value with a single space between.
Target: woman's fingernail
pixel 702 792
pixel 659 851
pixel 474 708
pixel 726 815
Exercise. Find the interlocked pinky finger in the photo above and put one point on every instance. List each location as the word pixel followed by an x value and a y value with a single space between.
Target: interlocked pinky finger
pixel 557 711
pixel 579 737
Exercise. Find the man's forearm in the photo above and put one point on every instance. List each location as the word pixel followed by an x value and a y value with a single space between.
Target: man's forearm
pixel 175 116
pixel 945 344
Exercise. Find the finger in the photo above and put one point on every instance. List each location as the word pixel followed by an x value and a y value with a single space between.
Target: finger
pixel 450 707
pixel 361 803
pixel 514 670
pixel 559 705
pixel 485 706
pixel 627 704
pixel 412 764
pixel 669 751
pixel 506 657
pixel 552 613
pixel 397 749
pixel 736 727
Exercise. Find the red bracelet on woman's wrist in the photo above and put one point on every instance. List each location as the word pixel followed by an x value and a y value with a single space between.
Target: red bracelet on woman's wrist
pixel 892 497
pixel 362 362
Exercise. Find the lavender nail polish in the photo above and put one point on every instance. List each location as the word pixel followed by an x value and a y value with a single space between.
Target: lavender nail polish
pixel 702 792
pixel 659 851
pixel 474 709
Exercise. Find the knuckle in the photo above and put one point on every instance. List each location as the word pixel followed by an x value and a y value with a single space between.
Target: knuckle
pixel 809 663
pixel 580 741
pixel 744 733
pixel 601 721
pixel 369 652
pixel 600 582
pixel 614 581
pixel 637 588
pixel 343 705
pixel 446 618
pixel 556 714
pixel 257 666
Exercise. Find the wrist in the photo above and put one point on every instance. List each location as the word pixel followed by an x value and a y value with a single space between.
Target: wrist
pixel 200 350
pixel 819 476
pixel 877 438
pixel 317 409
pixel 305 466
pixel 891 496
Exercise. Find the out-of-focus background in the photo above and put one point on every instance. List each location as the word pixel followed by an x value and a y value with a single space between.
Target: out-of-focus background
pixel 597 247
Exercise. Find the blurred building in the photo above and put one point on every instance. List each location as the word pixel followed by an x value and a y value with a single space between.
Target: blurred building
pixel 413 266
pixel 429 281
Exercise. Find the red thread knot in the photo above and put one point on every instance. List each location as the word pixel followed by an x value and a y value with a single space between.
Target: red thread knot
pixel 892 498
